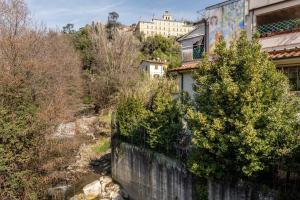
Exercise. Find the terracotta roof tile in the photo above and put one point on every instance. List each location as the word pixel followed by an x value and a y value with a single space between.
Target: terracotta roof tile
pixel 186 66
pixel 274 55
pixel 287 53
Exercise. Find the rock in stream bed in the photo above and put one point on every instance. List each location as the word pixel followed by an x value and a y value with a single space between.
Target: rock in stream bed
pixel 102 189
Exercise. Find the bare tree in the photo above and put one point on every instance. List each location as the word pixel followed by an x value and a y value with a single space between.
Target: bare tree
pixel 116 64
pixel 40 85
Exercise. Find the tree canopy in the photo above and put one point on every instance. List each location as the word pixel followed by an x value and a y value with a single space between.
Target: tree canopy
pixel 164 48
pixel 245 118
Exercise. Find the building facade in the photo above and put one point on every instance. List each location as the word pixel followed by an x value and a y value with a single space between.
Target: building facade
pixel 276 21
pixel 166 26
pixel 153 68
pixel 193 48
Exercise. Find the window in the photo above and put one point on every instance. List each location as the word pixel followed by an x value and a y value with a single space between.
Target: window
pixel 293 74
pixel 198 49
pixel 156 67
pixel 156 75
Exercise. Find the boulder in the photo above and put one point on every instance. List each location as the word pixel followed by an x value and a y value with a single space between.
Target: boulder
pixel 59 191
pixel 116 196
pixel 115 188
pixel 78 197
pixel 65 130
pixel 92 190
pixel 87 126
pixel 105 181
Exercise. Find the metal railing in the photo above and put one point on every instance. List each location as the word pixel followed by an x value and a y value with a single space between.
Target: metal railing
pixel 287 25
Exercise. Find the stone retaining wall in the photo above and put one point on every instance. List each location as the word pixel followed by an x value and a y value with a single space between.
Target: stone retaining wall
pixel 149 176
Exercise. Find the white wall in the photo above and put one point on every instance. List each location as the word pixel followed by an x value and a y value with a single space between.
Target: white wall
pixel 188 82
pixel 149 68
pixel 159 71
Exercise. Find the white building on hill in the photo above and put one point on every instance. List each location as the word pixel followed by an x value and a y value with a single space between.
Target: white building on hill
pixel 166 26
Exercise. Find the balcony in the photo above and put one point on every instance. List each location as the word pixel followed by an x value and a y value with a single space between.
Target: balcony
pixel 279 27
pixel 194 52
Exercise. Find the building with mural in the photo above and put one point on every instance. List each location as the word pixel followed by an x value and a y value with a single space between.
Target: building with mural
pixel 276 21
pixel 225 20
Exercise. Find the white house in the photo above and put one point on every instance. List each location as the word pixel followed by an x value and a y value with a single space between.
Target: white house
pixel 154 68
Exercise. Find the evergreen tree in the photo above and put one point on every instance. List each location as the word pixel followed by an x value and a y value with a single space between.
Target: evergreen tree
pixel 245 118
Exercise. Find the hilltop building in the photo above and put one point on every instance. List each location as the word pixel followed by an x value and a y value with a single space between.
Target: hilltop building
pixel 165 26
pixel 277 22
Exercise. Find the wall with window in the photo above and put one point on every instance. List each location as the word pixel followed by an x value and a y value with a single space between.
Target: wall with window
pixel 193 44
pixel 154 70
pixel 157 70
pixel 293 74
pixel 164 27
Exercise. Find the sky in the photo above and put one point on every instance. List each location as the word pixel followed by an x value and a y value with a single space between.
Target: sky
pixel 57 13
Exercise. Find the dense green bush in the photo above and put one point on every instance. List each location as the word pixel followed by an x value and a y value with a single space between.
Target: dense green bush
pixel 245 118
pixel 154 122
pixel 163 122
pixel 20 140
pixel 129 116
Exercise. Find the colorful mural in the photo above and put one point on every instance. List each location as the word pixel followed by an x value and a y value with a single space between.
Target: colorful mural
pixel 226 20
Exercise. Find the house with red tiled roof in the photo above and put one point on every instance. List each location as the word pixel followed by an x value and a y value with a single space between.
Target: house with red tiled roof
pixel 277 22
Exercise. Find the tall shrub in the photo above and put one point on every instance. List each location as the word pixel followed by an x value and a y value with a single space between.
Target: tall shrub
pixel 245 118
pixel 152 119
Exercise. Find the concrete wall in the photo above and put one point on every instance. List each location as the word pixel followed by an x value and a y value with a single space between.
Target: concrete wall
pixel 149 176
pixel 254 4
pixel 238 191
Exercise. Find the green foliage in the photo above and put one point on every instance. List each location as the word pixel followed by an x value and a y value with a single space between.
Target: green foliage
pixel 155 123
pixel 102 146
pixel 68 29
pixel 83 44
pixel 112 24
pixel 245 119
pixel 164 48
pixel 129 116
pixel 87 100
pixel 20 139
pixel 163 121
